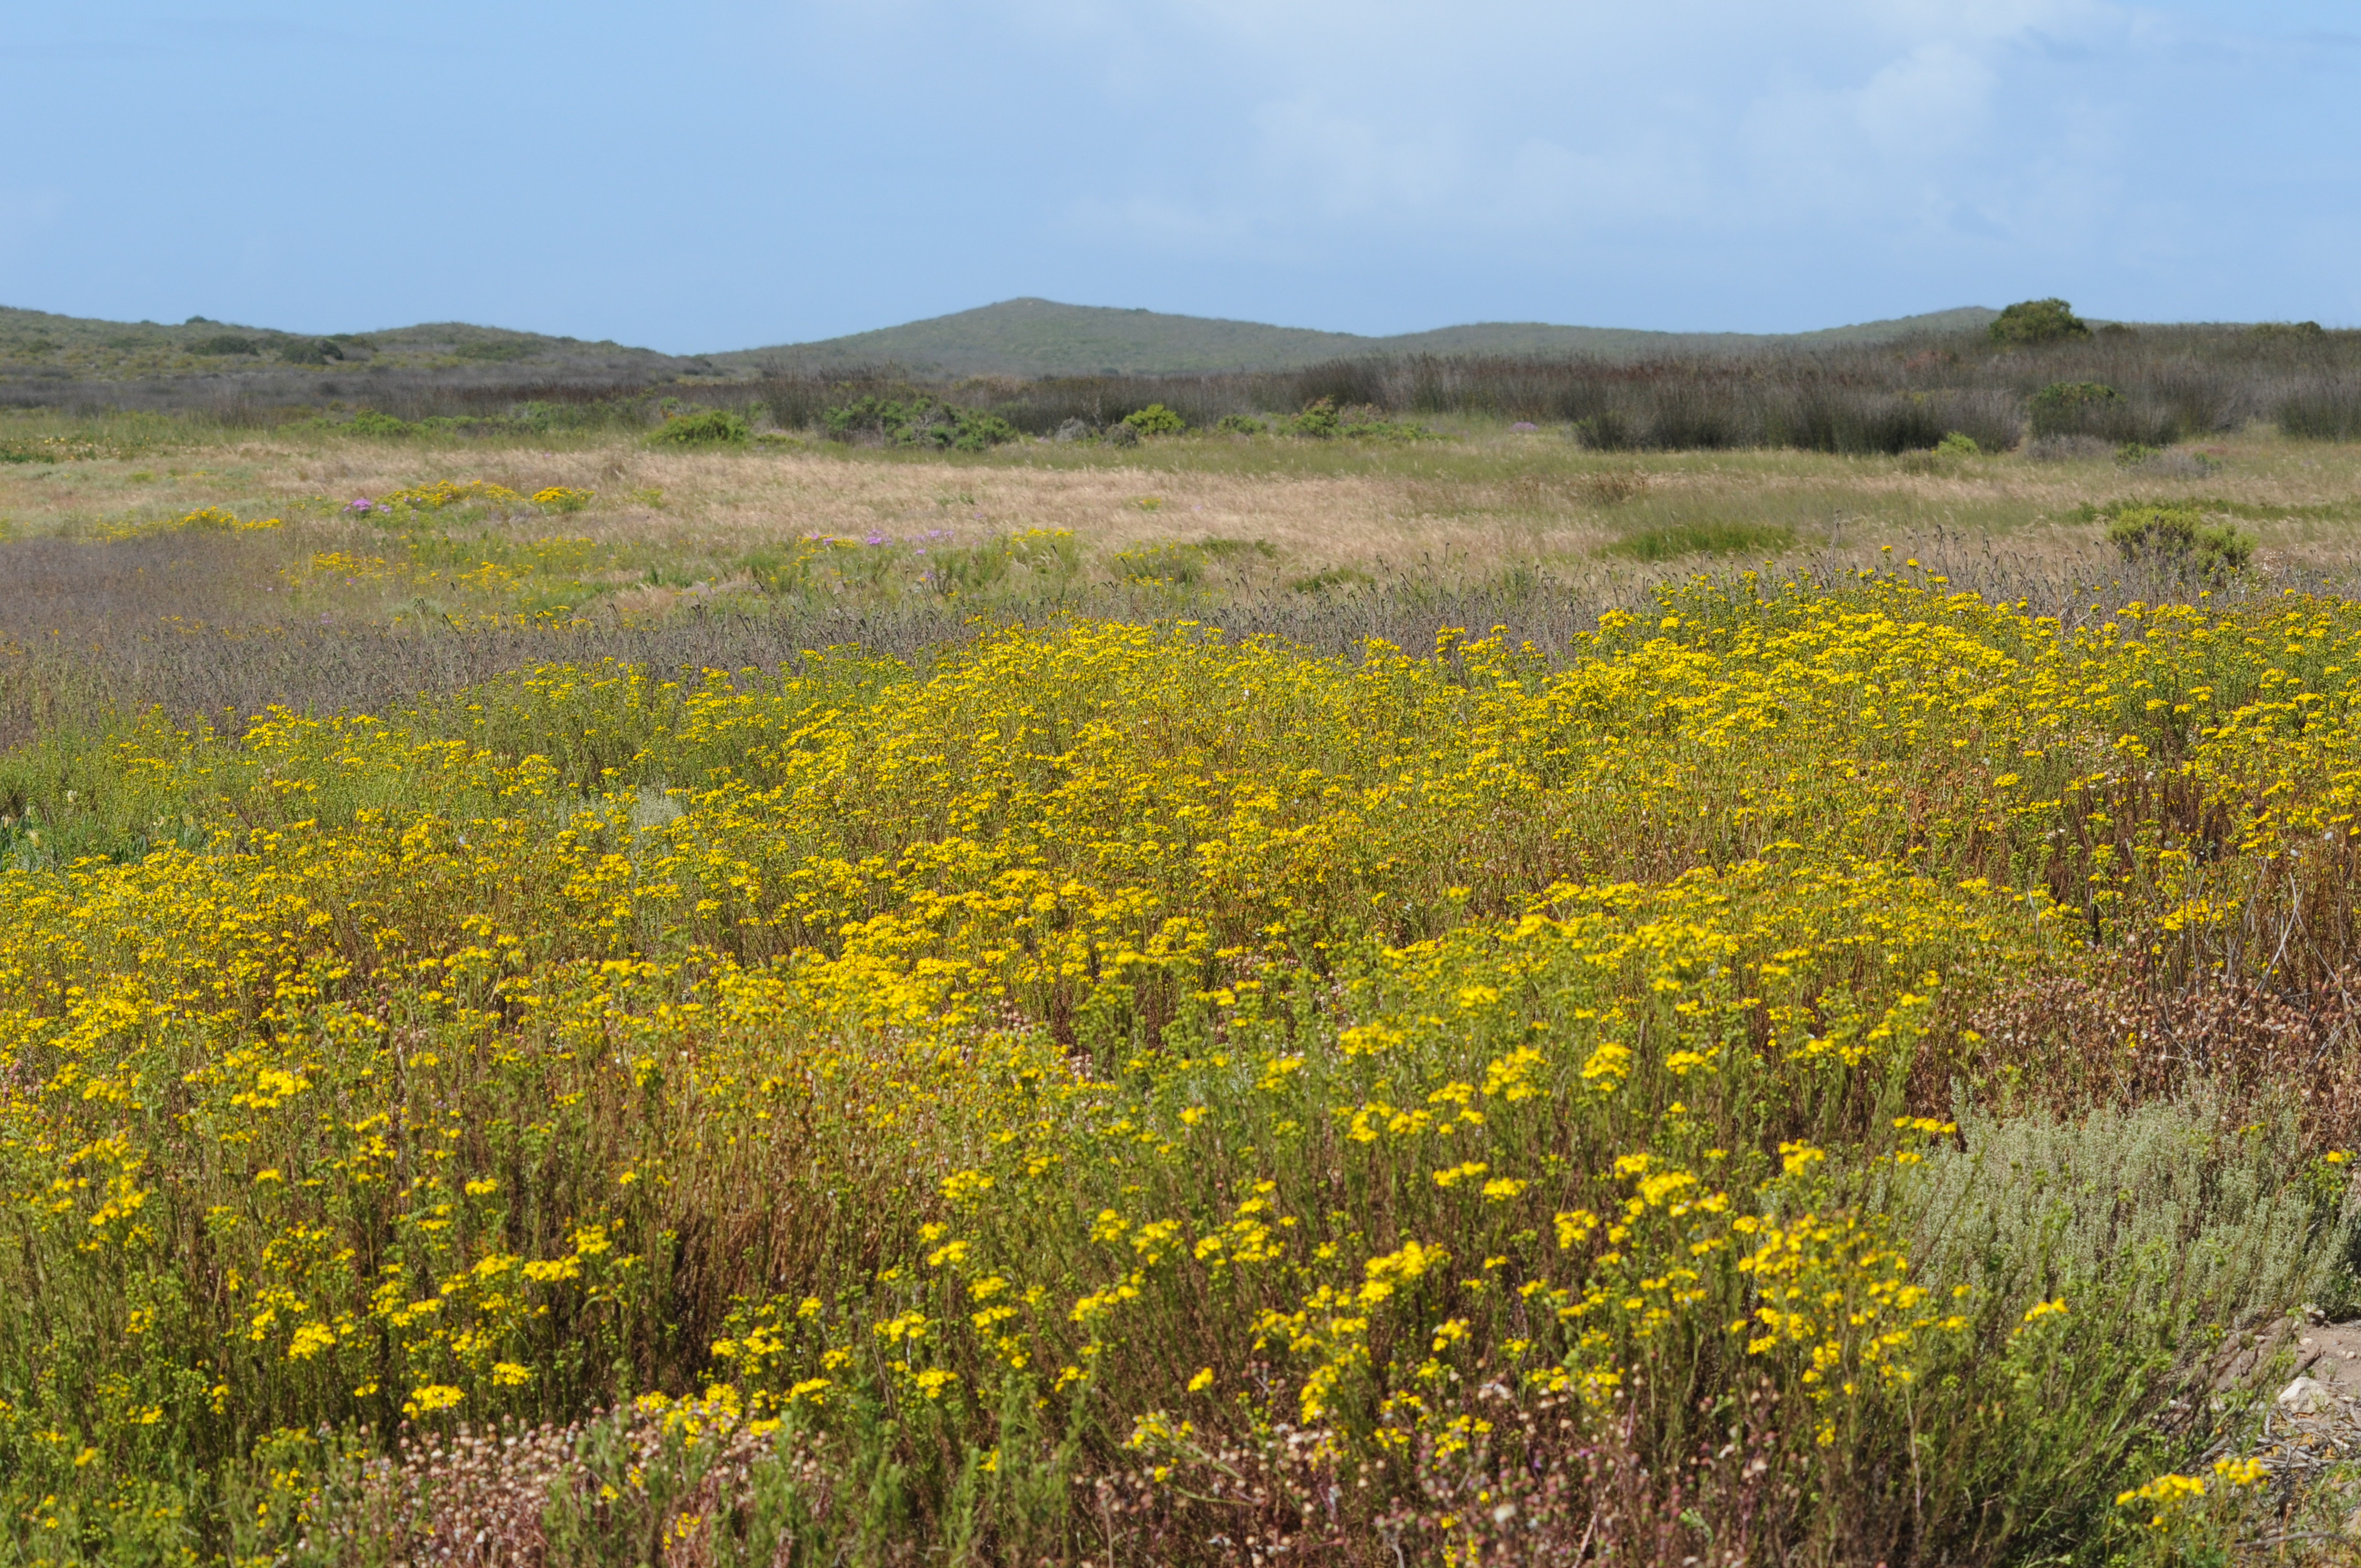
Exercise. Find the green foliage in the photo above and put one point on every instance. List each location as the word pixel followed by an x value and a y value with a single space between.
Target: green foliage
pixel 1318 419
pixel 1959 444
pixel 1608 431
pixel 2330 411
pixel 310 350
pixel 711 427
pixel 1240 424
pixel 2179 538
pixel 918 420
pixel 1156 420
pixel 2066 408
pixel 2032 322
pixel 368 422
pixel 1330 579
pixel 1219 549
pixel 1178 565
pixel 495 351
pixel 1323 420
pixel 1048 557
pixel 2132 454
pixel 1681 539
pixel 225 345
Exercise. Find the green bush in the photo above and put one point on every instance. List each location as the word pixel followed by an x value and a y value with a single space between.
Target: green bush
pixel 1240 424
pixel 225 344
pixel 1608 431
pixel 2030 322
pixel 2180 539
pixel 1959 444
pixel 1676 540
pixel 2071 408
pixel 2330 411
pixel 1329 579
pixel 1178 565
pixel 368 422
pixel 310 351
pixel 919 421
pixel 1318 419
pixel 713 427
pixel 1156 420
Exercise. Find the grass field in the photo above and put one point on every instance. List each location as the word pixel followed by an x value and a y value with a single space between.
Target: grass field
pixel 1236 999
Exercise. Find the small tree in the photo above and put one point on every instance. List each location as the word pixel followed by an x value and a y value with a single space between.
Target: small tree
pixel 2030 322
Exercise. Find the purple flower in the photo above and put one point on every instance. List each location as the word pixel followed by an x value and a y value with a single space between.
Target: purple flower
pixel 1524 424
pixel 876 539
pixel 362 503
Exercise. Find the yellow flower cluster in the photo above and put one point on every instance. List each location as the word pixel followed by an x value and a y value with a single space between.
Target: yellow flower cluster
pixel 1116 1013
pixel 443 493
pixel 204 519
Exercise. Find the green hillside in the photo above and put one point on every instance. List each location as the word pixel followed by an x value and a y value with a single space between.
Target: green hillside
pixel 37 345
pixel 1042 337
pixel 1016 337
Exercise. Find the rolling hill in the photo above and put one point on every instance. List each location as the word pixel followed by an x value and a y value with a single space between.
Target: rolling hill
pixel 1042 337
pixel 39 345
pixel 1016 337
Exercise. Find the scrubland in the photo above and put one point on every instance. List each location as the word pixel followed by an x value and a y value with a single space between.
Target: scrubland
pixel 1236 1000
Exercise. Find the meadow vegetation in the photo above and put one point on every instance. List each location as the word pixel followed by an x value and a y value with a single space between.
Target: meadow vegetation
pixel 569 994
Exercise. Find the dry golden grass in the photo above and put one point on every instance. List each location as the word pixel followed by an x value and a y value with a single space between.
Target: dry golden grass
pixel 1480 503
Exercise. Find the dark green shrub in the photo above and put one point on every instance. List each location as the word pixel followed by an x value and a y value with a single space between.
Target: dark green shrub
pixel 2031 322
pixel 1240 424
pixel 225 344
pixel 1156 420
pixel 368 422
pixel 1331 578
pixel 1608 431
pixel 713 427
pixel 1181 566
pixel 2288 331
pixel 2096 410
pixel 2330 411
pixel 1217 548
pixel 1704 539
pixel 2180 539
pixel 310 351
pixel 1318 419
pixel 918 421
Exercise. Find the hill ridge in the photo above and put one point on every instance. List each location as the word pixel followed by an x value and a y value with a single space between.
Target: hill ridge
pixel 1030 336
pixel 1025 336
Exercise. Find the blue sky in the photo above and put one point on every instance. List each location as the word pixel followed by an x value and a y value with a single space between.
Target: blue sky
pixel 711 174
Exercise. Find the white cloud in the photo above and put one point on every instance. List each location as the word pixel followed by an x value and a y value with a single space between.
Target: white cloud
pixel 1523 120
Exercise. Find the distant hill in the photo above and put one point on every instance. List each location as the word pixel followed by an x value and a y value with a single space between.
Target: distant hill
pixel 1042 337
pixel 35 345
pixel 1016 337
